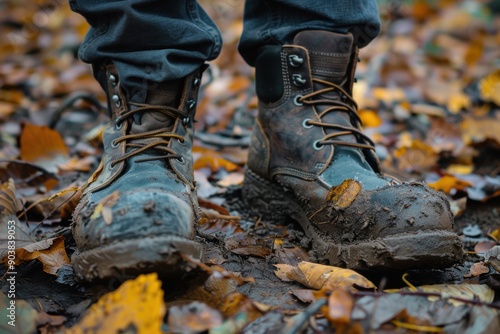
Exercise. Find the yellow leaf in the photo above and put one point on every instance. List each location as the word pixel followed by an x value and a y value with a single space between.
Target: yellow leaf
pixel 489 87
pixel 418 156
pixel 42 146
pixel 474 51
pixel 104 207
pixel 481 129
pixel 449 182
pixel 319 276
pixel 369 118
pixel 388 94
pixel 457 102
pixel 344 194
pixel 135 304
pixel 215 163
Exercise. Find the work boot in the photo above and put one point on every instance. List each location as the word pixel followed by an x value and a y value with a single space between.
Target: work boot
pixel 138 209
pixel 308 160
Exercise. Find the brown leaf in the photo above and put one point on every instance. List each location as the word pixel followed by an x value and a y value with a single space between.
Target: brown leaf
pixel 289 255
pixel 417 157
pixel 340 305
pixel 214 163
pixel 483 246
pixel 318 276
pixel 344 194
pixel 50 252
pixel 193 318
pixel 76 164
pixel 9 204
pixel 42 146
pixel 478 268
pixel 135 304
pixel 237 302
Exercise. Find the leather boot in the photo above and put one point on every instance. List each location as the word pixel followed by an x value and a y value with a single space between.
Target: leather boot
pixel 138 210
pixel 309 160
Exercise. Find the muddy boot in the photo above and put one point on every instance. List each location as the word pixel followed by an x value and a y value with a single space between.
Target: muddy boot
pixel 138 210
pixel 309 160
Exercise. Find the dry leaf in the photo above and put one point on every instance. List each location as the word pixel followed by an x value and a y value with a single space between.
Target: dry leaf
pixel 193 318
pixel 214 162
pixel 484 246
pixel 339 308
pixel 9 204
pixel 344 194
pixel 449 182
pixel 464 291
pixel 76 164
pixel 213 291
pixel 237 302
pixel 318 276
pixel 417 157
pixel 50 252
pixel 474 130
pixel 135 304
pixel 492 258
pixel 104 207
pixel 489 87
pixel 43 146
pixel 289 255
pixel 478 268
pixel 369 118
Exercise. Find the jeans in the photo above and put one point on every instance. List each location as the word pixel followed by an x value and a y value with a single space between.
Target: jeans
pixel 151 41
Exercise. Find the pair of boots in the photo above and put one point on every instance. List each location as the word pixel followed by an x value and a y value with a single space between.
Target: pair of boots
pixel 306 148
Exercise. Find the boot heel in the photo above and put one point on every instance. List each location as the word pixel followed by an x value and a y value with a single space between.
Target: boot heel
pixel 267 199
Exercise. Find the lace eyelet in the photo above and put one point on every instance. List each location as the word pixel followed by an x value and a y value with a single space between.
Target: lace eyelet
pixel 180 160
pixel 185 120
pixel 191 104
pixel 306 125
pixel 317 145
pixel 114 144
pixel 116 99
pixel 295 60
pixel 118 124
pixel 297 101
pixel 111 165
pixel 182 141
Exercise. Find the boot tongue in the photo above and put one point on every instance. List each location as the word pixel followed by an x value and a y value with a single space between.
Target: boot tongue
pixel 164 94
pixel 329 53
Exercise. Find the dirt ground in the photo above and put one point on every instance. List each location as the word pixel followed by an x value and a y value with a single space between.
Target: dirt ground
pixel 428 91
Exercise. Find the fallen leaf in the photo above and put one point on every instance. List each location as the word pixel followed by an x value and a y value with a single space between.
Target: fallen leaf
pixel 448 182
pixel 193 318
pixel 135 304
pixel 478 268
pixel 43 147
pixel 18 317
pixel 289 255
pixel 489 87
pixel 495 234
pixel 369 118
pixel 50 252
pixel 77 164
pixel 9 204
pixel 104 207
pixel 475 130
pixel 339 308
pixel 483 246
pixel 318 276
pixel 237 302
pixel 465 291
pixel 417 157
pixel 344 194
pixel 492 258
pixel 231 179
pixel 214 163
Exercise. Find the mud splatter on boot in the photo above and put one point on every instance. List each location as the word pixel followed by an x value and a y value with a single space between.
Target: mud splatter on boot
pixel 307 141
pixel 147 166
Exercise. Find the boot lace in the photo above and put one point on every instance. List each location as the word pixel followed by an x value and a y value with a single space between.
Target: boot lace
pixel 162 135
pixel 349 106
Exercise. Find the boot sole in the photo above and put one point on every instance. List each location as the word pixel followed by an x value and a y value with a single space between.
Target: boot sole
pixel 125 259
pixel 425 249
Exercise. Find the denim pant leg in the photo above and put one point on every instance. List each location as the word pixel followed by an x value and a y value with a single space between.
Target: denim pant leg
pixel 149 41
pixel 277 21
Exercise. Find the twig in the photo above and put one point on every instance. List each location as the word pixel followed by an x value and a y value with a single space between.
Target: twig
pixel 298 322
pixel 68 102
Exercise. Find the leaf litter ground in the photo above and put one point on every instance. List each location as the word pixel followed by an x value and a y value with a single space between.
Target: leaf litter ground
pixel 428 93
